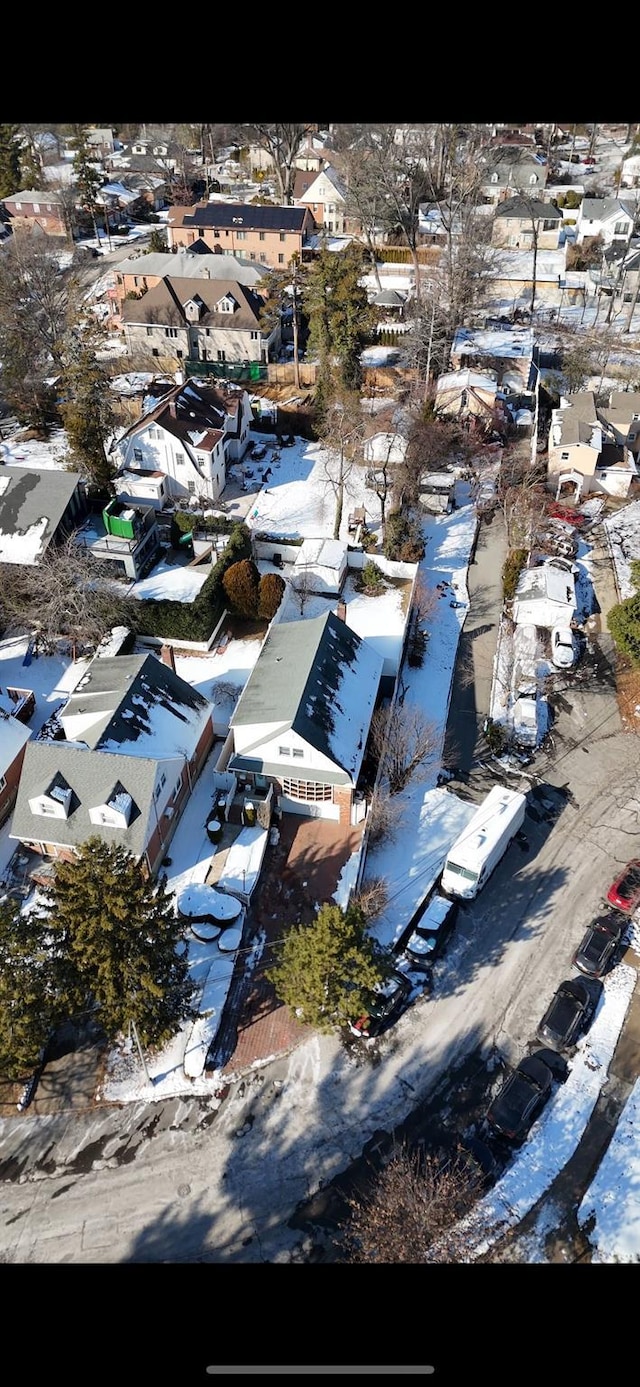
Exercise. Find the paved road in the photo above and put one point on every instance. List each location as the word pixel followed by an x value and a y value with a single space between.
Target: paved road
pixel 180 1181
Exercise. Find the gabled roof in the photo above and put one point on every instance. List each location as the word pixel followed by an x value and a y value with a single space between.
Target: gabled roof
pixel 522 206
pixel 196 413
pixel 241 216
pixel 32 504
pixel 136 705
pixel 32 195
pixel 602 209
pixel 319 679
pixel 92 777
pixel 332 176
pixel 13 736
pixel 167 299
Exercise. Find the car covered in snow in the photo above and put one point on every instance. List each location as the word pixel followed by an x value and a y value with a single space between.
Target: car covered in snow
pixel 564 647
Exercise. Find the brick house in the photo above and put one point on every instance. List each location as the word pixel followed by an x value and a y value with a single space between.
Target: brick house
pixel 13 740
pixel 268 236
pixel 31 210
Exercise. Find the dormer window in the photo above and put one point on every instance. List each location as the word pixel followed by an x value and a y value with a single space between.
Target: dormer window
pixel 226 304
pixel 116 811
pixel 56 800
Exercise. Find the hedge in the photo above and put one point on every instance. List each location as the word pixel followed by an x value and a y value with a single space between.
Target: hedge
pixel 193 621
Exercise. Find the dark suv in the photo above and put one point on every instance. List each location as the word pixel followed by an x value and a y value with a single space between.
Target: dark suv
pixel 515 1108
pixel 388 1000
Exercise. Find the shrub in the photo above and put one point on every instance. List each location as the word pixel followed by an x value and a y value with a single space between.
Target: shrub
pixel 270 592
pixel 403 538
pixel 241 583
pixel 371 578
pixel 512 568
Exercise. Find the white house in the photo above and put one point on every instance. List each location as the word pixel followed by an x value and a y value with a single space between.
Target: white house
pixel 190 437
pixel 303 718
pixel 546 596
pixel 608 217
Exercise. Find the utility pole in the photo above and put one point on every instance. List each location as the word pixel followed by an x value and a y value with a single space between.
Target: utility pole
pixel 429 347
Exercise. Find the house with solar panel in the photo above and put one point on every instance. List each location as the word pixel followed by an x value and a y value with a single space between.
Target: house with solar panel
pixel 268 236
pixel 302 721
pixel 126 750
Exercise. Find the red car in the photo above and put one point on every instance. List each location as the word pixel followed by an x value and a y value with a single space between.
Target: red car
pixel 625 891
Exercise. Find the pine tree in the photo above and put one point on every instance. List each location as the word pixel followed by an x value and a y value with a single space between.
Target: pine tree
pixel 121 937
pixel 10 174
pixel 326 970
pixel 270 593
pixel 340 318
pixel 32 1001
pixel 241 584
pixel 87 410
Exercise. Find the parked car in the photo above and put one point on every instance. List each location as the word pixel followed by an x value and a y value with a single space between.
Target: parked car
pixel 388 1001
pixel 566 1016
pixel 625 891
pixel 564 649
pixel 598 946
pixel 431 934
pixel 259 452
pixel 521 1099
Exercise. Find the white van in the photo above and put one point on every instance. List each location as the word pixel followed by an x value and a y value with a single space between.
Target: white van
pixel 478 849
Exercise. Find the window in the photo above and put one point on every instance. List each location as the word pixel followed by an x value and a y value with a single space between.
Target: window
pixel 281 259
pixel 161 783
pixel 263 257
pixel 177 787
pixel 18 206
pixel 298 752
pixel 306 790
pixel 3 781
pixel 252 255
pixel 620 229
pixel 494 178
pixel 222 356
pixel 155 351
pixel 137 453
pixel 191 487
pixel 533 179
pixel 564 457
pixel 171 332
pixel 261 237
pixel 179 353
pixel 255 336
pixel 284 751
pixel 216 235
pixel 36 208
pixel 154 432
pixel 241 235
pixel 149 332
pixel 282 236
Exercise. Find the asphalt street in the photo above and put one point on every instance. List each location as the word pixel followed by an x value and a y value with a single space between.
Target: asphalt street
pixel 183 1182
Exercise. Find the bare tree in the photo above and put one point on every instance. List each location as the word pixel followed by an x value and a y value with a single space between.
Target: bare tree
pixel 68 594
pixel 372 898
pixel 282 143
pixel 303 586
pixel 413 1210
pixel 385 817
pixel 404 740
pixel 342 437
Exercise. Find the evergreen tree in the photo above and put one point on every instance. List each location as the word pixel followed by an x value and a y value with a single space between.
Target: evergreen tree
pixel 87 410
pixel 10 172
pixel 340 318
pixel 158 241
pixel 121 937
pixel 270 594
pixel 32 1002
pixel 87 179
pixel 241 584
pixel 326 970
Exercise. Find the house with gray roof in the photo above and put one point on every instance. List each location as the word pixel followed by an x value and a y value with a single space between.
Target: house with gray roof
pixel 135 737
pixel 508 169
pixel 521 222
pixel 37 507
pixel 140 272
pixel 610 218
pixel 589 450
pixel 303 718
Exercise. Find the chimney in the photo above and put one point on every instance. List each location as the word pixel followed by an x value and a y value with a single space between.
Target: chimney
pixel 167 656
pixel 172 408
pixel 341 611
